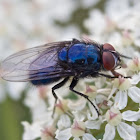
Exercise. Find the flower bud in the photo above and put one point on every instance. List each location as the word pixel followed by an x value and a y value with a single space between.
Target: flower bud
pixel 62 107
pixel 48 133
pixel 134 65
pixel 91 91
pixel 78 129
pixel 113 116
pixel 122 83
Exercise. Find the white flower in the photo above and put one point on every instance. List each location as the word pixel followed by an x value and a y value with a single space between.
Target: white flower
pixel 134 94
pixel 77 105
pixel 94 124
pixel 64 122
pixel 64 134
pixel 38 107
pixel 114 119
pixel 77 130
pixel 76 119
pixel 134 66
pixel 135 79
pixel 93 115
pixel 131 115
pixel 31 131
pixel 48 133
pixel 125 90
pixel 91 91
pixel 15 90
pixel 88 136
pixel 94 28
pixel 88 3
pixel 61 107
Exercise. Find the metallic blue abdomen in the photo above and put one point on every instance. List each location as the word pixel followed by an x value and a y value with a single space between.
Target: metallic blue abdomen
pixel 82 56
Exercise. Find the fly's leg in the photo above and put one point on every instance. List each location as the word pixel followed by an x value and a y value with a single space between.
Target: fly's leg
pixel 118 74
pixel 56 87
pixel 107 76
pixel 73 84
pixel 112 77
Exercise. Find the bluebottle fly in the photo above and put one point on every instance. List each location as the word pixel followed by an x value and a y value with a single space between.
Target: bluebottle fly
pixel 51 62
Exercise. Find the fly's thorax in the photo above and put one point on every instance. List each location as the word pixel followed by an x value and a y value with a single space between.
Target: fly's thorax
pixel 81 55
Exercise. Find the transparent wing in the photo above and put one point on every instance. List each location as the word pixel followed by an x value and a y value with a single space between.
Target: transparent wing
pixel 35 63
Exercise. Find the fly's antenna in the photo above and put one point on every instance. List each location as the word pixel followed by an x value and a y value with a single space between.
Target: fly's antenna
pixel 121 55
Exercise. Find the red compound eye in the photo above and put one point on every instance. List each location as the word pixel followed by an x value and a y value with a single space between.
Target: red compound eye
pixel 108 46
pixel 108 58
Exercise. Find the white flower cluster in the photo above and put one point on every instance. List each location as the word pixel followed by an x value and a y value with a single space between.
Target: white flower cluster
pixel 118 100
pixel 77 119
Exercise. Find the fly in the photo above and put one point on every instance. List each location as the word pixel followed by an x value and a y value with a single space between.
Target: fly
pixel 52 62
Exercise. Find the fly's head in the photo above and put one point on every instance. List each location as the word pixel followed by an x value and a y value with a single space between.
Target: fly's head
pixel 110 57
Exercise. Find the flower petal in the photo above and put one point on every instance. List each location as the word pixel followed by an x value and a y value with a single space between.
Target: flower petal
pixel 76 139
pixel 112 92
pixel 79 115
pixel 137 127
pixel 64 122
pixel 121 99
pixel 93 124
pixel 109 132
pixel 64 134
pixel 87 136
pixel 77 105
pixel 134 94
pixel 126 131
pixel 78 128
pixel 135 79
pixel 131 115
pixel 93 115
pixel 31 131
